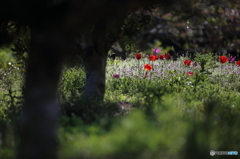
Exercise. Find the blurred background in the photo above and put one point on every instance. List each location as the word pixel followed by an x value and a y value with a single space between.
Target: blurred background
pixel 171 116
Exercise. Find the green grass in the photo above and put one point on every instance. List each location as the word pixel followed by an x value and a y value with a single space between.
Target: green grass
pixel 174 115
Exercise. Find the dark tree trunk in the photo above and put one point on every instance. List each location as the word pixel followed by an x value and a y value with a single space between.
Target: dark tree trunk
pixel 38 136
pixel 95 68
pixel 96 44
pixel 94 59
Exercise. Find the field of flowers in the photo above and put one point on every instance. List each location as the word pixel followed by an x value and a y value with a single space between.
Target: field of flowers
pixel 175 109
pixel 178 109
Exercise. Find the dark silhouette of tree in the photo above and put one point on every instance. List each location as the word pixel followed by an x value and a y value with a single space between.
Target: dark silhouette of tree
pixel 53 24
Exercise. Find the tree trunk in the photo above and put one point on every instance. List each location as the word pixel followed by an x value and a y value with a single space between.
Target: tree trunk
pixel 38 136
pixel 94 60
pixel 95 45
pixel 95 68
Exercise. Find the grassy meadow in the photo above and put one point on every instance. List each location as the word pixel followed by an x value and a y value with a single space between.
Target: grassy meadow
pixel 170 109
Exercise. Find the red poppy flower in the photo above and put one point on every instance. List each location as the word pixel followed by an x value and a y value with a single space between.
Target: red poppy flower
pixel 162 57
pixel 138 56
pixel 152 57
pixel 187 62
pixel 147 67
pixel 223 59
pixel 168 56
pixel 238 63
pixel 190 73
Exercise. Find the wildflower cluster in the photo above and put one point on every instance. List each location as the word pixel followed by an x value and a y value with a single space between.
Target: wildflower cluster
pixel 225 59
pixel 190 69
pixel 161 57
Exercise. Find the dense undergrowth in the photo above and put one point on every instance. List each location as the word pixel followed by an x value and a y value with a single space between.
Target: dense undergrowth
pixel 178 110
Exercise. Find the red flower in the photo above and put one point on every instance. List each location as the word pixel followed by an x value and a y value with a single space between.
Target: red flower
pixel 238 63
pixel 162 57
pixel 223 59
pixel 152 57
pixel 190 73
pixel 147 67
pixel 168 56
pixel 138 56
pixel 187 62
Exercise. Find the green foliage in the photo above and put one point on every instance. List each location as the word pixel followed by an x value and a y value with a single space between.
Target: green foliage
pixel 71 84
pixel 11 91
pixel 206 62
pixel 177 116
pixel 10 106
pixel 5 57
pixel 177 131
pixel 19 47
